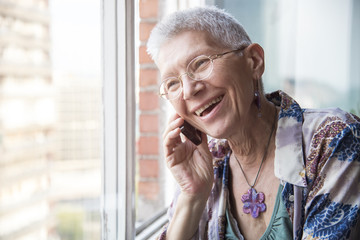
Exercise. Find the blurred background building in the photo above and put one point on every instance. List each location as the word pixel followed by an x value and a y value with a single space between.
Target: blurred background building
pixel 50 123
pixel 27 119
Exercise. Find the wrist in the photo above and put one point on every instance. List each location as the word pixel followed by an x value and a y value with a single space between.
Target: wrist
pixel 187 215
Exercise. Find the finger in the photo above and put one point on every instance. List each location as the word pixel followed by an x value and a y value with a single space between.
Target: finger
pixel 175 123
pixel 171 141
pixel 172 122
pixel 171 136
pixel 203 147
pixel 173 117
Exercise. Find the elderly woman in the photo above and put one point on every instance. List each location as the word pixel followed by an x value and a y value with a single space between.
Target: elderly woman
pixel 278 172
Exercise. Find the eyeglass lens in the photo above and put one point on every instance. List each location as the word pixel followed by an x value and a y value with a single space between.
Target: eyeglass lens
pixel 198 69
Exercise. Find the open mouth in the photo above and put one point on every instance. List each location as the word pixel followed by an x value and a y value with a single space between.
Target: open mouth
pixel 208 107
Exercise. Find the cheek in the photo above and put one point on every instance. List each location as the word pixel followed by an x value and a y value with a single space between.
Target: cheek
pixel 179 107
pixel 232 73
pixel 242 82
pixel 241 92
pixel 233 81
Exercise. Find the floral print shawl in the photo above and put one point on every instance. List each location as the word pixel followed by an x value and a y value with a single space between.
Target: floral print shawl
pixel 317 160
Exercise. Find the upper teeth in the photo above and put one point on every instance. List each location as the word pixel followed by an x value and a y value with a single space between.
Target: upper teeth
pixel 200 110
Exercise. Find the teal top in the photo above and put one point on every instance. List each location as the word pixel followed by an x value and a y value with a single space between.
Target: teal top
pixel 280 226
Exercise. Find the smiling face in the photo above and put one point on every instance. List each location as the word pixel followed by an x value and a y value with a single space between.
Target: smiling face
pixel 221 104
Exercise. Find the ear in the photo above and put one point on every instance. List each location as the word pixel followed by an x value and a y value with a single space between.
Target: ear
pixel 255 55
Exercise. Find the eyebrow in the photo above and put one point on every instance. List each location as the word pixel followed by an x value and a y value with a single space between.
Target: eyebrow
pixel 197 53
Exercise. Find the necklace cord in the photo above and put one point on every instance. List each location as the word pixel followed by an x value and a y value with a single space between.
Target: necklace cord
pixel 262 161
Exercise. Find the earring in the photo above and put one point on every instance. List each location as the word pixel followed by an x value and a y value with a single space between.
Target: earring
pixel 257 101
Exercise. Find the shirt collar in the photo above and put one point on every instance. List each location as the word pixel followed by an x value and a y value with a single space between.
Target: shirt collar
pixel 289 156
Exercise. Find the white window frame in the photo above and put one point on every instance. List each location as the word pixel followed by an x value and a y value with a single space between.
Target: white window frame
pixel 118 204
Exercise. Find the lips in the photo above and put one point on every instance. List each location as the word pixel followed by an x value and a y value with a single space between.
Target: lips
pixel 208 107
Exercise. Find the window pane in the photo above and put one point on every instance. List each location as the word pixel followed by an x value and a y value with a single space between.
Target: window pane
pixel 50 119
pixel 311 48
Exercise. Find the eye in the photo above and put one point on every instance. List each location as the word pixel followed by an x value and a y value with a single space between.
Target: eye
pixel 171 84
pixel 199 64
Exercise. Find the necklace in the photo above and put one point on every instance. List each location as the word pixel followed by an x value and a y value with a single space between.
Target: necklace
pixel 253 201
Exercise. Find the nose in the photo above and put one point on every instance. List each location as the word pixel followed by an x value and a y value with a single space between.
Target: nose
pixel 190 87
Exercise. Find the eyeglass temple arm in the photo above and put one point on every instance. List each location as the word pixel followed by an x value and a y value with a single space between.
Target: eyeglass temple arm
pixel 215 56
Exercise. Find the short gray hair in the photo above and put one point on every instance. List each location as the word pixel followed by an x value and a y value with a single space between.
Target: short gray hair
pixel 221 26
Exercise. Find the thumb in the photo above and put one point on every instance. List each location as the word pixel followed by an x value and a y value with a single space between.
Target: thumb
pixel 203 147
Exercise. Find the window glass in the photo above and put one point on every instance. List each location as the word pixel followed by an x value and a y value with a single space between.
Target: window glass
pixel 311 48
pixel 50 119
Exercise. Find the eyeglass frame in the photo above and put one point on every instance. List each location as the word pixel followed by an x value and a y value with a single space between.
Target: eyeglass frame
pixel 211 57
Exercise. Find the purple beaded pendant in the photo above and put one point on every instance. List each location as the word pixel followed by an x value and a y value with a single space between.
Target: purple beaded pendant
pixel 253 202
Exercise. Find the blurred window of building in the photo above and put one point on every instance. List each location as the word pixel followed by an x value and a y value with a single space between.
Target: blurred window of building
pixel 50 119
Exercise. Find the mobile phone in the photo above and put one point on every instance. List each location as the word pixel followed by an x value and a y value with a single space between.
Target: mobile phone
pixel 193 134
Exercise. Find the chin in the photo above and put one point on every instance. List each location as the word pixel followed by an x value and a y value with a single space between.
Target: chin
pixel 221 129
pixel 217 134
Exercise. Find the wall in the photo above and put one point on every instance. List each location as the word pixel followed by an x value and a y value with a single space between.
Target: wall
pixel 149 198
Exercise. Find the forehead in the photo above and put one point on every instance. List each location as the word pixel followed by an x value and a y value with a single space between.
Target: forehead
pixel 180 49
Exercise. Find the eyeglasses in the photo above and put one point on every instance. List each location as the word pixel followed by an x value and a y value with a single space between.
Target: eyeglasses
pixel 198 69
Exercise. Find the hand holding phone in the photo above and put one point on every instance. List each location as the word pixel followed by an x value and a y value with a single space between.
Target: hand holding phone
pixel 191 133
